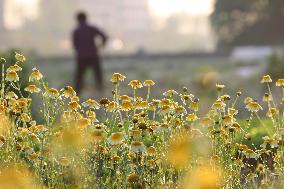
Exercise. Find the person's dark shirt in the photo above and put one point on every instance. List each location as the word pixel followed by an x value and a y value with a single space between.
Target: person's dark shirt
pixel 84 40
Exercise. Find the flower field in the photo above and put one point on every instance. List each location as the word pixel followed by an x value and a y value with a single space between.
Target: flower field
pixel 137 141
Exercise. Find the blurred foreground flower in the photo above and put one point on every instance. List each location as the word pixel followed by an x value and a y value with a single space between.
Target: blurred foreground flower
pixel 204 177
pixel 17 176
pixel 179 151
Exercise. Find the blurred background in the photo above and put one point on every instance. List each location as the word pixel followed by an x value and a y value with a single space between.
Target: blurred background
pixel 192 43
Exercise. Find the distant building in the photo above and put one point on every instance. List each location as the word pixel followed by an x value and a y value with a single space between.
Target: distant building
pixel 126 20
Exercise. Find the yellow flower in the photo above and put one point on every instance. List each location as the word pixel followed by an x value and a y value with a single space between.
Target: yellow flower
pixel 194 105
pixel 32 156
pixel 207 122
pixel 211 113
pixel 186 97
pixel 220 87
pixel 249 153
pixel 141 104
pixel 137 147
pixel 272 142
pixel 164 127
pixel 235 126
pixel 73 105
pixel 36 75
pixel 148 83
pixel 14 68
pixel 40 128
pixel 164 102
pixel 2 140
pixel 52 93
pixel 151 150
pixel 219 105
pixel 126 106
pixel 225 97
pixel 248 100
pixel 179 151
pixel 272 112
pixel 135 133
pixel 98 133
pixel 242 147
pixel 12 76
pixel 116 138
pixel 11 95
pixel 180 110
pixel 75 98
pixel 28 150
pixel 204 177
pixel 83 122
pixel 170 93
pixel 152 107
pixel 17 176
pixel 112 106
pixel 253 106
pixel 232 111
pixel 228 119
pixel 266 79
pixel 104 102
pixel 156 102
pixel 116 77
pixel 267 97
pixel 91 103
pixel 154 127
pixel 280 83
pixel 32 89
pixel 125 98
pixel 135 84
pixel 115 158
pixel 19 57
pixel 68 92
pixel 164 110
pixel 23 103
pixel 25 117
pixel 191 117
pixel 92 116
pixel 133 178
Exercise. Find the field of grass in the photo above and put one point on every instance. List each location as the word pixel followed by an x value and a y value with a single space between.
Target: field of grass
pixel 144 134
pixel 199 75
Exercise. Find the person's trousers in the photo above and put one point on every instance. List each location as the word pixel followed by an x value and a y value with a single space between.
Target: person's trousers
pixel 82 65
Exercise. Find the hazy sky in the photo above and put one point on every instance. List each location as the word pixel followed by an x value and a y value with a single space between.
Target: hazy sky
pixel 164 8
pixel 195 24
pixel 16 11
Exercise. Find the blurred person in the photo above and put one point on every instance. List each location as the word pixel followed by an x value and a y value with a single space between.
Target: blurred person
pixel 87 51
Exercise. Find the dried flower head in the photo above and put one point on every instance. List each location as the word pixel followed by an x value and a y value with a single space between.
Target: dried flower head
pixel 116 77
pixel 135 84
pixel 32 89
pixel 148 83
pixel 51 93
pixel 266 79
pixel 12 76
pixel 19 57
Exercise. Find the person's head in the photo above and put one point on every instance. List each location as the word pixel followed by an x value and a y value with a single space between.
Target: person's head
pixel 81 17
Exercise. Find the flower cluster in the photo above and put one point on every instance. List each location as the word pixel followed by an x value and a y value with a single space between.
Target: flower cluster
pixel 132 141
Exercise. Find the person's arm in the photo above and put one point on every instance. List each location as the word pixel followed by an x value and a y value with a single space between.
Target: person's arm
pixel 102 35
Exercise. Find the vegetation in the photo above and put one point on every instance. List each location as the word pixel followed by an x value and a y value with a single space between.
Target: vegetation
pixel 139 142
pixel 242 22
